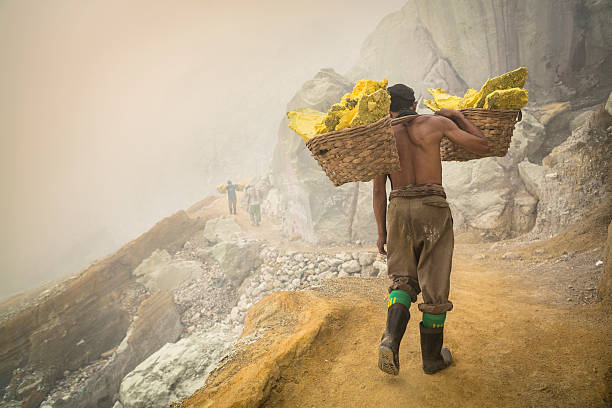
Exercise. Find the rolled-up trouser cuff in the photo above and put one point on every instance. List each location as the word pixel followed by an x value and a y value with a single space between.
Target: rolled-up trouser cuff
pixel 435 308
pixel 430 330
pixel 407 284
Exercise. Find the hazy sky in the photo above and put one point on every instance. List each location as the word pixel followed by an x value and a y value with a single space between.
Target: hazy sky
pixel 109 111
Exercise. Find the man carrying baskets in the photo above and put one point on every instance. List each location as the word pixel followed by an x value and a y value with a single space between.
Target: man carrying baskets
pixel 419 237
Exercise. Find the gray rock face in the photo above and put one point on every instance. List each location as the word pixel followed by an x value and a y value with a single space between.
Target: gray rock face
pixel 533 177
pixel 176 370
pixel 566 46
pixel 158 322
pixel 576 174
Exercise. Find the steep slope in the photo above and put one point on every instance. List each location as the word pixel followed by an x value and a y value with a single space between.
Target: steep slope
pixel 89 312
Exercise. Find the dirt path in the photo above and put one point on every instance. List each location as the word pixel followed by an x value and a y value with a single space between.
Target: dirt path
pixel 512 347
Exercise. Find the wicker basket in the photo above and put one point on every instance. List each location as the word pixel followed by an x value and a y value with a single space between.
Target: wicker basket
pixel 364 152
pixel 356 154
pixel 497 126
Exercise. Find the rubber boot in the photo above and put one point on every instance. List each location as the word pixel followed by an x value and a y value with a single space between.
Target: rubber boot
pixel 388 350
pixel 435 358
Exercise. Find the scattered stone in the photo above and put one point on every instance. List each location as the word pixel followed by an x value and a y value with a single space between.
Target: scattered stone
pixel 351 266
pixel 599 263
pixel 551 176
pixel 366 258
pixel 511 256
pixel 479 257
pixel 344 256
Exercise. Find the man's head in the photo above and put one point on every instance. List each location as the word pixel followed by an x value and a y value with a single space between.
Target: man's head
pixel 402 98
pixel 229 182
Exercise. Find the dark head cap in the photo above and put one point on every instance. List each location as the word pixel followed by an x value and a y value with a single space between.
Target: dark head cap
pixel 402 97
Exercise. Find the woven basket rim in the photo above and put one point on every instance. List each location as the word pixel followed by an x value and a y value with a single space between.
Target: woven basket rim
pixel 379 123
pixel 397 121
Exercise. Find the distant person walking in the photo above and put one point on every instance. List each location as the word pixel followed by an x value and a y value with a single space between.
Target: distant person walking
pixel 254 203
pixel 231 196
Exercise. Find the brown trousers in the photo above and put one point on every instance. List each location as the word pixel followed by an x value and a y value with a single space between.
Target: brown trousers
pixel 420 244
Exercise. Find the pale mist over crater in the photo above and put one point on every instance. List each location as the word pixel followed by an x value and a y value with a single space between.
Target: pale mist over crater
pixel 116 114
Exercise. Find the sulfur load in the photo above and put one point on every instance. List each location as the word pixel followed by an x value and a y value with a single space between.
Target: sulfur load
pixel 371 108
pixel 502 92
pixel 444 100
pixel 512 79
pixel 305 122
pixel 514 98
pixel 367 103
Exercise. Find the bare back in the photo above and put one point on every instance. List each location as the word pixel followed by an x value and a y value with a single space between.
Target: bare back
pixel 418 145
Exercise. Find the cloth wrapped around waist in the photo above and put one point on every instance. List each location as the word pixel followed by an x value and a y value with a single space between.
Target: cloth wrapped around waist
pixel 418 190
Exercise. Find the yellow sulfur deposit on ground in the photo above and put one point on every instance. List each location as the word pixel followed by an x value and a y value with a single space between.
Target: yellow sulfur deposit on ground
pixel 367 103
pixel 514 98
pixel 502 92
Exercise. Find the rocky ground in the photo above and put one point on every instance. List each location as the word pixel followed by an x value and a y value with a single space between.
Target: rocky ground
pixel 224 269
pixel 212 287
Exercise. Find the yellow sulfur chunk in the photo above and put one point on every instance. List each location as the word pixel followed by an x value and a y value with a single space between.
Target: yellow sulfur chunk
pixel 444 100
pixel 341 115
pixel 372 107
pixel 346 118
pixel 470 98
pixel 367 87
pixel 306 122
pixel 514 98
pixel 367 103
pixel 431 104
pixel 512 79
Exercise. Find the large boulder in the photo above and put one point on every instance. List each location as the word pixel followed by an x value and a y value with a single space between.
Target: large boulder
pixel 237 259
pixel 221 229
pixel 161 272
pixel 485 197
pixel 576 175
pixel 176 370
pixel 533 177
pixel 302 197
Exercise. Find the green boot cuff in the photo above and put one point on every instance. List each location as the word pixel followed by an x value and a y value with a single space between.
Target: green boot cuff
pixel 399 296
pixel 434 321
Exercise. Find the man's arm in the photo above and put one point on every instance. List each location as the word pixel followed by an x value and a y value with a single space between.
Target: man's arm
pixel 463 132
pixel 380 210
